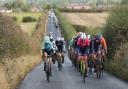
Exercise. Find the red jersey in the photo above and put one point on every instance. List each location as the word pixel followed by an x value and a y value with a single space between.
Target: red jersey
pixel 83 43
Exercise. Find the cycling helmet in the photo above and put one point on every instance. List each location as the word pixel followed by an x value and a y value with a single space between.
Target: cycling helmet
pixel 58 38
pixel 83 36
pixel 46 39
pixel 81 33
pixel 62 39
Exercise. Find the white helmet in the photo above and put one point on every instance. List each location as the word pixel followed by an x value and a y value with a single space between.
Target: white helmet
pixel 83 36
pixel 80 33
pixel 62 39
pixel 53 42
pixel 58 38
pixel 50 33
pixel 51 37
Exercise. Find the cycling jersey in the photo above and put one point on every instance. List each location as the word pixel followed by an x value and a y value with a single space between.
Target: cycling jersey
pixel 47 45
pixel 59 45
pixel 83 46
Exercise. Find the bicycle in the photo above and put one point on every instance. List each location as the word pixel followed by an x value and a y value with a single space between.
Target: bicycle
pixel 99 65
pixel 90 63
pixel 48 68
pixel 59 58
pixel 83 69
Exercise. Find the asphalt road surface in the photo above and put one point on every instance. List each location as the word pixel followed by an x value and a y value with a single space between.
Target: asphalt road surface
pixel 68 78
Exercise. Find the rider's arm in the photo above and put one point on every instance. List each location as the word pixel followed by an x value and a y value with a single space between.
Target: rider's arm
pixel 42 49
pixel 104 44
pixel 70 44
pixel 51 45
pixel 78 42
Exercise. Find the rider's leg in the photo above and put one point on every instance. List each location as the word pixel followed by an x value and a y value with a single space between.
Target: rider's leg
pixel 50 53
pixel 62 53
pixel 45 59
pixel 86 64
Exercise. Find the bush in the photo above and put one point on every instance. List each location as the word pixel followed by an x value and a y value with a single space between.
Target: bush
pixel 66 28
pixel 15 5
pixel 91 31
pixel 116 34
pixel 47 7
pixel 14 42
pixel 116 30
pixel 28 19
pixel 81 10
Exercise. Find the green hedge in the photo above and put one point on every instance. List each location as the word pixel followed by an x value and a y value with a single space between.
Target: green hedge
pixel 28 19
pixel 81 10
pixel 66 28
pixel 116 34
pixel 91 31
pixel 116 30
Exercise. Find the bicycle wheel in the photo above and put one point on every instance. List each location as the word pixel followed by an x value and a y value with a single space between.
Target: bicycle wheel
pixel 98 73
pixel 48 71
pixel 81 67
pixel 48 75
pixel 84 72
pixel 60 65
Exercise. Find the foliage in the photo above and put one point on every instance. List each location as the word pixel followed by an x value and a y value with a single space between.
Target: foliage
pixel 14 42
pixel 116 30
pixel 116 34
pixel 124 2
pixel 48 7
pixel 93 10
pixel 20 15
pixel 91 31
pixel 28 19
pixel 67 29
pixel 15 5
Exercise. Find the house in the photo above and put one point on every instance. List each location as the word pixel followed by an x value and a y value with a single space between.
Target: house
pixel 78 6
pixel 35 8
pixel 5 10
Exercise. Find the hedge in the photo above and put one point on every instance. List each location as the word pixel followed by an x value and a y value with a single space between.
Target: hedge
pixel 66 28
pixel 28 19
pixel 116 34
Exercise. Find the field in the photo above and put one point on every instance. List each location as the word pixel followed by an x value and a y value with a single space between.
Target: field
pixel 28 27
pixel 86 19
pixel 23 14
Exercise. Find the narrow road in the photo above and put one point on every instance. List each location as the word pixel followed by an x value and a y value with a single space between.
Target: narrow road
pixel 68 78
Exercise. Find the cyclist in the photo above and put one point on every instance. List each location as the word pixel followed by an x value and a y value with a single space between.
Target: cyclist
pixel 76 47
pixel 60 45
pixel 51 37
pixel 47 49
pixel 100 43
pixel 100 47
pixel 83 44
pixel 63 44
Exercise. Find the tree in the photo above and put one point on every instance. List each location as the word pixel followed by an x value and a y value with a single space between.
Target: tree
pixel 48 6
pixel 124 2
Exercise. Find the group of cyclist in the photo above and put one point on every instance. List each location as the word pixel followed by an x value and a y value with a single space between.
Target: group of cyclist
pixel 51 47
pixel 83 46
